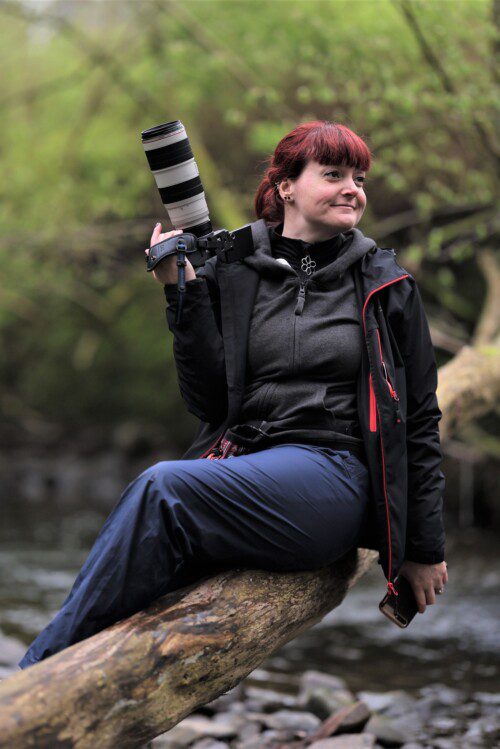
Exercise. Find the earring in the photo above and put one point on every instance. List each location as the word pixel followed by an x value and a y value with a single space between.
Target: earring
pixel 288 197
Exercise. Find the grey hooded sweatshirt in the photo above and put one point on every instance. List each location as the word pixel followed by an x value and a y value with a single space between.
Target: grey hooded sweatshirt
pixel 305 344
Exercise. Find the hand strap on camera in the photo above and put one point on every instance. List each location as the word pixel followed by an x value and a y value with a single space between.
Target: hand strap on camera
pixel 228 246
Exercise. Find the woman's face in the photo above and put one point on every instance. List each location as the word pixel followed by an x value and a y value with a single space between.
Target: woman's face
pixel 326 199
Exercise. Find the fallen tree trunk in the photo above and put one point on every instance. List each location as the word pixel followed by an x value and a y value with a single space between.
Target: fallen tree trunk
pixel 137 679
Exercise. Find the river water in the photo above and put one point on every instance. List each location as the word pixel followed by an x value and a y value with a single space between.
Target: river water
pixel 456 642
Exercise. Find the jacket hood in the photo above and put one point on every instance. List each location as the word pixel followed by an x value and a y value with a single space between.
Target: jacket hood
pixel 355 246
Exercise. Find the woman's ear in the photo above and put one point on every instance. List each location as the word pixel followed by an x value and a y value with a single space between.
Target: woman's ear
pixel 284 187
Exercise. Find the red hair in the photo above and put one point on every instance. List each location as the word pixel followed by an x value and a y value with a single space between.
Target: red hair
pixel 320 140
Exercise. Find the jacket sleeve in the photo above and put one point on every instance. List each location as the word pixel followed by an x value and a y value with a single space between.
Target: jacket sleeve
pixel 425 535
pixel 198 346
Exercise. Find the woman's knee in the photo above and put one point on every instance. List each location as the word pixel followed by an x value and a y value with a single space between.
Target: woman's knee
pixel 165 479
pixel 331 544
pixel 162 471
pixel 152 472
pixel 144 486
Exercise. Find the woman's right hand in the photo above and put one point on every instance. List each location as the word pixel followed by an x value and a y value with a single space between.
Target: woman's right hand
pixel 425 580
pixel 167 271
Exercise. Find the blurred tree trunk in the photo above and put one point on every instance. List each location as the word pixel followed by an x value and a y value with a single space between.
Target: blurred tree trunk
pixel 469 384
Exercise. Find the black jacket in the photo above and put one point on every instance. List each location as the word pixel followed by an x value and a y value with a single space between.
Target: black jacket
pixel 396 392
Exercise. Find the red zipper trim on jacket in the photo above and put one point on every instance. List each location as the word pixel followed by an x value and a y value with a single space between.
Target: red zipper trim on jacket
pixel 212 446
pixel 390 584
pixel 373 407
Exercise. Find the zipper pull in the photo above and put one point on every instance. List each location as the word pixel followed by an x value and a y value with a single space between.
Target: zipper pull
pixel 393 393
pixel 395 397
pixel 392 589
pixel 301 299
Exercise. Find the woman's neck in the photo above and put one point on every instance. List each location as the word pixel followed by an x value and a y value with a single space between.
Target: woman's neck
pixel 310 235
pixel 307 233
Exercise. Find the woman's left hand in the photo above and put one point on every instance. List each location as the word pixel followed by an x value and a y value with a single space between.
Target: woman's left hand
pixel 425 579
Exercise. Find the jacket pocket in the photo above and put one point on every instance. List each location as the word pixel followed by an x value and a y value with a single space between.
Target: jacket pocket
pixel 388 381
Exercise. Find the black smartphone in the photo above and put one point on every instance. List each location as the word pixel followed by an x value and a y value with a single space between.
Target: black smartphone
pixel 402 608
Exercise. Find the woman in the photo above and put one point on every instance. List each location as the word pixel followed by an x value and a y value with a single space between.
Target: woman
pixel 310 366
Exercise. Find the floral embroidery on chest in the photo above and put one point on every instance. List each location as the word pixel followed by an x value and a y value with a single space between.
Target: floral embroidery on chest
pixel 308 265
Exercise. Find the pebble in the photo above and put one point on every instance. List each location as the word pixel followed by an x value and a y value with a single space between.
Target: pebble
pixel 487 698
pixel 445 744
pixel 485 728
pixel 348 741
pixel 443 726
pixel 273 737
pixel 273 679
pixel 196 727
pixel 386 731
pixel 292 720
pixel 229 722
pixel 268 700
pixel 313 678
pixel 178 737
pixel 323 694
pixel 394 702
pixel 440 694
pixel 249 731
pixel 12 652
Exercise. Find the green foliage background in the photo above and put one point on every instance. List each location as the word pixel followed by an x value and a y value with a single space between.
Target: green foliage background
pixel 83 333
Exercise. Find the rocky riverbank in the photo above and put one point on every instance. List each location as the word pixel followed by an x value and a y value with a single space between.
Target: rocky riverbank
pixel 318 711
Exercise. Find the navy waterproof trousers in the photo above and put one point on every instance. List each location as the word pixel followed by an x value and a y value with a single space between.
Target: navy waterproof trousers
pixel 289 507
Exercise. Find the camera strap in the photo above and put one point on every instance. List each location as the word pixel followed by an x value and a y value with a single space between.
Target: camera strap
pixel 181 242
pixel 228 246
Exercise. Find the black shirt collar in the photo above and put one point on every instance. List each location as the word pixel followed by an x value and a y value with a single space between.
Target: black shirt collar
pixel 323 252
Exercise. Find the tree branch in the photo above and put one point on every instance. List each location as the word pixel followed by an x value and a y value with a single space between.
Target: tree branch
pixel 97 55
pixel 485 140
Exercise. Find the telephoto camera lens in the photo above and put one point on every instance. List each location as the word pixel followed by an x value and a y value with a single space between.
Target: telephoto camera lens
pixel 171 160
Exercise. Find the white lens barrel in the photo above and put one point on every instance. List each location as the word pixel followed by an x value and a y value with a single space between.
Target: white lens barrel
pixel 176 173
pixel 188 212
